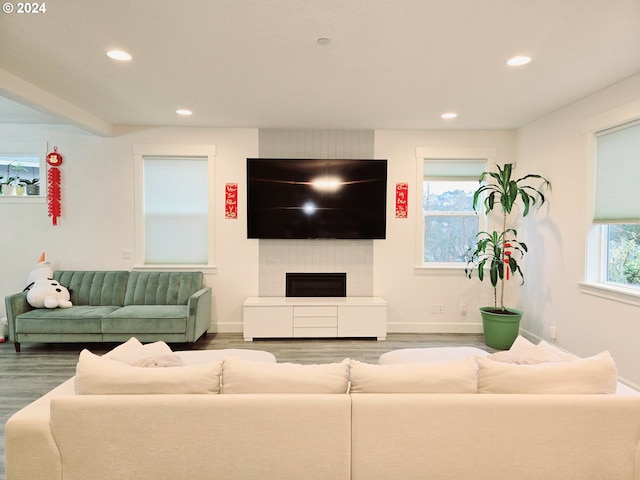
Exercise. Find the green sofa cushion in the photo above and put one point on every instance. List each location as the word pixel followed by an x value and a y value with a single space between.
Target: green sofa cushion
pixel 94 287
pixel 77 319
pixel 146 319
pixel 162 288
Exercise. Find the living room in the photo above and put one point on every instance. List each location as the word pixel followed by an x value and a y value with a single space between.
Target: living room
pixel 97 226
pixel 394 70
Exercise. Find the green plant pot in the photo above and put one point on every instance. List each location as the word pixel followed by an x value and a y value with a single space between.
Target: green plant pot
pixel 500 329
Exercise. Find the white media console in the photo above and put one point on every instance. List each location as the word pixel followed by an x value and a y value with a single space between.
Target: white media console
pixel 314 317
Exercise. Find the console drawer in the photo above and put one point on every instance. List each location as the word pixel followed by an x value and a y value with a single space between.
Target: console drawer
pixel 315 332
pixel 306 322
pixel 315 311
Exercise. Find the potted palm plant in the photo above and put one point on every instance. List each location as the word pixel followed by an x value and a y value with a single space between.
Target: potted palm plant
pixel 496 254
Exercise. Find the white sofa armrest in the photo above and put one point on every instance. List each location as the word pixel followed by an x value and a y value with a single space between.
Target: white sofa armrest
pixel 31 452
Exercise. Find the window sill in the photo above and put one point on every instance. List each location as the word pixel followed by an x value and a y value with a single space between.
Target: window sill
pixel 206 269
pixel 630 296
pixel 22 199
pixel 440 269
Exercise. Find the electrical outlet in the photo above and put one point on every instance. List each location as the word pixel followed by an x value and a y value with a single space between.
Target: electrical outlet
pixel 126 254
pixel 553 332
pixel 437 309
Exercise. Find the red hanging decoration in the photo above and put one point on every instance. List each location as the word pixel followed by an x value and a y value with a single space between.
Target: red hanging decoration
pixel 507 259
pixel 231 200
pixel 54 159
pixel 402 200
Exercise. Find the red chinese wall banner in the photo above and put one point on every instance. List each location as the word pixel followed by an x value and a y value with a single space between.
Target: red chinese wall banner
pixel 402 200
pixel 231 200
pixel 54 159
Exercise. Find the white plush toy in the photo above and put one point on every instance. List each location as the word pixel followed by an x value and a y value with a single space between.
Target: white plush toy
pixel 44 291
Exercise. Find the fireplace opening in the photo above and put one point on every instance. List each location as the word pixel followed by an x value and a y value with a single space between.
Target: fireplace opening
pixel 316 285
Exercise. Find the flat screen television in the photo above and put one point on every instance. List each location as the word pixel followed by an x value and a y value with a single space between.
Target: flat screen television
pixel 314 198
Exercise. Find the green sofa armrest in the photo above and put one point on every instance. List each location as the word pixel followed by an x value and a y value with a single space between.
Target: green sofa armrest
pixel 199 308
pixel 15 305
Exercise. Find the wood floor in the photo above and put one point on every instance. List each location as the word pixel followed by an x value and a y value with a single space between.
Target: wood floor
pixel 40 367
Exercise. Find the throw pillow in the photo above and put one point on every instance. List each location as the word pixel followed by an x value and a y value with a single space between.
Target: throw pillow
pixel 510 357
pixel 130 356
pixel 129 345
pixel 449 377
pixel 97 375
pixel 246 376
pixel 524 348
pixel 590 375
pixel 159 361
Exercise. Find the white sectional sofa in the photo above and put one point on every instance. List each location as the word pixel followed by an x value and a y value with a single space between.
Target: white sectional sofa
pixel 272 432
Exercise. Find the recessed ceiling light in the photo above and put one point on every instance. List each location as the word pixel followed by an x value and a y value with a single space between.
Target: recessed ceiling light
pixel 323 41
pixel 449 115
pixel 184 111
pixel 518 61
pixel 119 55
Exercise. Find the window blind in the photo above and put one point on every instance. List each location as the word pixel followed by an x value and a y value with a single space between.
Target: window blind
pixel 454 169
pixel 617 180
pixel 175 210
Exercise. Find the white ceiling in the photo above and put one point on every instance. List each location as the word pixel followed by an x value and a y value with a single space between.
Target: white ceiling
pixel 390 64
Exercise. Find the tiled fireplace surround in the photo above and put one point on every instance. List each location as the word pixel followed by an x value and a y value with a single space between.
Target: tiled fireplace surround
pixel 277 257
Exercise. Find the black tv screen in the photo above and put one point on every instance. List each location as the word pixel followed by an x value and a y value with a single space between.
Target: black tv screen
pixel 313 198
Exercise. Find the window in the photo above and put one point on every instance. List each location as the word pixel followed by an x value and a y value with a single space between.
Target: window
pixel 617 204
pixel 16 171
pixel 175 218
pixel 448 224
pixel 174 214
pixel 622 245
pixel 20 167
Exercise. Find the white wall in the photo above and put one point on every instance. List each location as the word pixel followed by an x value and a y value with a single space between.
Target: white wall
pixel 97 221
pixel 97 224
pixel 410 294
pixel 557 147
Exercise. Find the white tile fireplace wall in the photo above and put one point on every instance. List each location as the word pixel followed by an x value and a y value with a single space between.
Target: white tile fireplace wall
pixel 354 257
pixel 277 257
pixel 292 143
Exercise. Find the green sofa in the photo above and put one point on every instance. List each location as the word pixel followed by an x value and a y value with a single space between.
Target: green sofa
pixel 113 306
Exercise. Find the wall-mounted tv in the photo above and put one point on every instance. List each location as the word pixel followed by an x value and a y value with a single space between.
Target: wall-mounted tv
pixel 314 198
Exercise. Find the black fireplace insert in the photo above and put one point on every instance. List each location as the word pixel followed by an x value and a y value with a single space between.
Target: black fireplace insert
pixel 316 284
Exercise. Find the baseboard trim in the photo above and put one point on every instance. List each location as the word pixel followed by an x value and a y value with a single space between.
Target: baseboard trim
pixel 414 327
pixel 400 327
pixel 230 327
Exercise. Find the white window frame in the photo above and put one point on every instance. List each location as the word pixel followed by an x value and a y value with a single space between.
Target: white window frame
pixel 489 154
pixel 31 149
pixel 596 236
pixel 160 150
